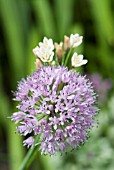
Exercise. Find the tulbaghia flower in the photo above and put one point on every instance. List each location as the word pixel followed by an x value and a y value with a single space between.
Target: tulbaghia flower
pixel 45 50
pixel 56 104
pixel 77 60
pixel 75 40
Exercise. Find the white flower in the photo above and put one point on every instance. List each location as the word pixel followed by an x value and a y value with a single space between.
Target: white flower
pixel 47 44
pixel 35 50
pixel 77 60
pixel 45 50
pixel 75 40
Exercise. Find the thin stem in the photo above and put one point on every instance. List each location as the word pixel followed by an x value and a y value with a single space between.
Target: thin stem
pixel 56 60
pixel 30 156
pixel 63 58
pixel 67 57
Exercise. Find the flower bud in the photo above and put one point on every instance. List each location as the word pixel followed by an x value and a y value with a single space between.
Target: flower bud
pixel 59 50
pixel 38 63
pixel 66 42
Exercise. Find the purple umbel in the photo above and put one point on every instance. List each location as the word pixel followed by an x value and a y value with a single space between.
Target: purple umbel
pixel 56 104
pixel 102 86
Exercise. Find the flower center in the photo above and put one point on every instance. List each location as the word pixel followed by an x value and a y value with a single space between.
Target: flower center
pixel 77 60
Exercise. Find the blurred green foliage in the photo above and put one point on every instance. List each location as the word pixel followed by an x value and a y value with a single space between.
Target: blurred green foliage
pixel 23 24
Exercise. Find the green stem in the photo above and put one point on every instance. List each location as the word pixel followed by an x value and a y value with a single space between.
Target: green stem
pixel 67 57
pixel 56 60
pixel 63 58
pixel 30 156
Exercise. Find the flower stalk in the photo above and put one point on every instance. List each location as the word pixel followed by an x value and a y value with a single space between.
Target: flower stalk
pixel 67 57
pixel 30 156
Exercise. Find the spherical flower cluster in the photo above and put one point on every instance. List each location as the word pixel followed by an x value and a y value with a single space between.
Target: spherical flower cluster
pixel 56 104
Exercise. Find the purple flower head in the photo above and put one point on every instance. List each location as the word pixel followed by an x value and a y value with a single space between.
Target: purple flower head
pixel 56 104
pixel 101 86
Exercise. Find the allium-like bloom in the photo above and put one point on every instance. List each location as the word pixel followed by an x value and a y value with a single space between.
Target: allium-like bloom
pixel 56 104
pixel 101 86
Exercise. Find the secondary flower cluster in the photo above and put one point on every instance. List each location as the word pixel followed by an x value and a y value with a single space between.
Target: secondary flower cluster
pixel 45 51
pixel 56 104
pixel 101 86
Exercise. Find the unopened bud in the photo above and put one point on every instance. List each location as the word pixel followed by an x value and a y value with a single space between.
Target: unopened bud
pixel 59 50
pixel 53 63
pixel 66 42
pixel 38 63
